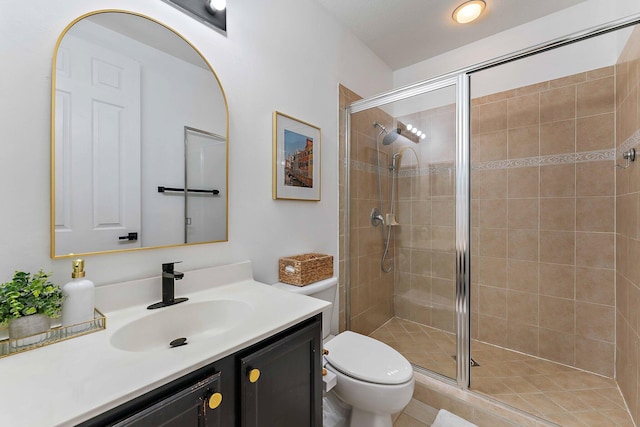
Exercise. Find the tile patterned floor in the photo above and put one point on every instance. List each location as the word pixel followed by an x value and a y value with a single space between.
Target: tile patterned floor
pixel 558 393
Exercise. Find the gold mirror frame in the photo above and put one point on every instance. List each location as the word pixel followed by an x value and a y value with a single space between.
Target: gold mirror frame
pixel 53 254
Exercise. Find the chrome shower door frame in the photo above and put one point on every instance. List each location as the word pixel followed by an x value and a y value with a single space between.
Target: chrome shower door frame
pixel 462 199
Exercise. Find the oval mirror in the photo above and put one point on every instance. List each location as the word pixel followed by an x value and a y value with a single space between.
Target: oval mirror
pixel 139 143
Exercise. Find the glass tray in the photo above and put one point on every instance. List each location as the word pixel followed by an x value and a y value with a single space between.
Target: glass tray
pixel 53 335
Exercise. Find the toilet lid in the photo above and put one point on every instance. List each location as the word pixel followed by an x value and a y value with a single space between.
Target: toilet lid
pixel 366 359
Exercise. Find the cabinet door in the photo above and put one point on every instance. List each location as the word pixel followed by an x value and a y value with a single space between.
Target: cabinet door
pixel 194 406
pixel 280 384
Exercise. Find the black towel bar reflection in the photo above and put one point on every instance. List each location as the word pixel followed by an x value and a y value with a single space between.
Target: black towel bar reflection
pixel 189 190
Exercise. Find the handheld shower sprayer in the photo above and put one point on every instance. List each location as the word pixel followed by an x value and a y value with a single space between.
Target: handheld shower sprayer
pixel 376 217
pixel 394 161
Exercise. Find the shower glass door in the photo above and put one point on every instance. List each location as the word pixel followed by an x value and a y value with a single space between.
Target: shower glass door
pixel 205 178
pixel 408 213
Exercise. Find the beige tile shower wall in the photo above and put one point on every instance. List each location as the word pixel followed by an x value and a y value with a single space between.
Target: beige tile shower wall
pixel 628 225
pixel 425 241
pixel 543 220
pixel 371 290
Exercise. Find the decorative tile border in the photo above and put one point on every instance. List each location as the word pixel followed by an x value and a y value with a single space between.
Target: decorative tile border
pixel 368 168
pixel 437 169
pixel 556 159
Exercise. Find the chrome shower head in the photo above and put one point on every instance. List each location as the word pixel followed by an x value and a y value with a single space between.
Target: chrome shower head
pixel 389 138
pixel 394 136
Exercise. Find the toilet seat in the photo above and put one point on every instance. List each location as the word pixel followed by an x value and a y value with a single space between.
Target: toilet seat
pixel 367 359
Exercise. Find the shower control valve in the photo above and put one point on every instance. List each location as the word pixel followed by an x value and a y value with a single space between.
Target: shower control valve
pixel 376 217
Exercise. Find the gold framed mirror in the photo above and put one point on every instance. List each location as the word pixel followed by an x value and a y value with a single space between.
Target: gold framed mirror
pixel 139 139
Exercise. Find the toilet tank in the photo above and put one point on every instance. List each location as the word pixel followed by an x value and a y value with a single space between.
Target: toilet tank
pixel 326 290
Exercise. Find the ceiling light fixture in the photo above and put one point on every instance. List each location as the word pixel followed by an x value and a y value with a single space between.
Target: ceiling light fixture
pixel 215 5
pixel 468 11
pixel 210 12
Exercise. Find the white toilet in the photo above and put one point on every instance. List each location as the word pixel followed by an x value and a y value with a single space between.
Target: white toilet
pixel 372 378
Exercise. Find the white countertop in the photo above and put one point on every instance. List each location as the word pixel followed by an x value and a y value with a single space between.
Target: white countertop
pixel 72 381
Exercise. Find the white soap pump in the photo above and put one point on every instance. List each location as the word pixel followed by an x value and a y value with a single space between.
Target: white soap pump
pixel 79 303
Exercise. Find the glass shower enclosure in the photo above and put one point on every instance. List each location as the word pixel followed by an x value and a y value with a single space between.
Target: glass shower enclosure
pixel 408 202
pixel 407 206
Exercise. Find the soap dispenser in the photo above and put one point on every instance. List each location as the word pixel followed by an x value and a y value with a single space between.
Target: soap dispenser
pixel 79 303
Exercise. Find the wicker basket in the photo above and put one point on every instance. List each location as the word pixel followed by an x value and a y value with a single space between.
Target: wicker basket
pixel 303 269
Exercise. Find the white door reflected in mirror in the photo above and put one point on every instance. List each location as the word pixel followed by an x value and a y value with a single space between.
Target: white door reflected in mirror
pixel 98 183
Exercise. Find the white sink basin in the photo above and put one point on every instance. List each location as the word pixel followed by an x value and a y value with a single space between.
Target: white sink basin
pixel 194 321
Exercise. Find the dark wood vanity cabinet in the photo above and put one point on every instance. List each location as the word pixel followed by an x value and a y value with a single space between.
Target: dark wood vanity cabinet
pixel 196 405
pixel 203 398
pixel 281 382
pixel 276 382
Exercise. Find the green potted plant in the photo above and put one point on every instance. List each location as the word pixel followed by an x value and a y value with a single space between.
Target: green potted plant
pixel 28 302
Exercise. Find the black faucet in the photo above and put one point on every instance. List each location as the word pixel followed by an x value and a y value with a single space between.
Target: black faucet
pixel 168 291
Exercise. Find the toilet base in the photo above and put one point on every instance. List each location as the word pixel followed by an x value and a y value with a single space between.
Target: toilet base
pixel 360 418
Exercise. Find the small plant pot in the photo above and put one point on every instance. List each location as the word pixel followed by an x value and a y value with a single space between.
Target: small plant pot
pixel 26 329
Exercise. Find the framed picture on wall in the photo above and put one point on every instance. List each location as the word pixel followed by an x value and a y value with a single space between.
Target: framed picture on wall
pixel 296 159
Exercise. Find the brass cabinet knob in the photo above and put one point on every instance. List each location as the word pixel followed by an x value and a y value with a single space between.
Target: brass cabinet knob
pixel 325 351
pixel 254 374
pixel 324 372
pixel 215 400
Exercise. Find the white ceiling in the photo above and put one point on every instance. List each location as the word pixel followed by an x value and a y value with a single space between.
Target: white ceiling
pixel 404 32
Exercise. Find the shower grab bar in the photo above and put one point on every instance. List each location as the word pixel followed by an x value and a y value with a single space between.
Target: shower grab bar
pixel 189 190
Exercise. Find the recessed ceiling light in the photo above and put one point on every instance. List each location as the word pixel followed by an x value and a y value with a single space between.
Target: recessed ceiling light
pixel 468 11
pixel 216 5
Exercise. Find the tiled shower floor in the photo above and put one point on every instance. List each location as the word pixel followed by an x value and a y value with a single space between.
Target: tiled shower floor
pixel 555 392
